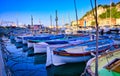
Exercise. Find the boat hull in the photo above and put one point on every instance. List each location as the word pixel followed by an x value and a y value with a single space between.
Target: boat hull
pixel 18 39
pixel 40 47
pixel 24 41
pixel 59 60
pixel 29 44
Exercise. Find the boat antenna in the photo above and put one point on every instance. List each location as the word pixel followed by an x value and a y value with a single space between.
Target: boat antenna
pixel 56 19
pixel 76 13
pixel 96 21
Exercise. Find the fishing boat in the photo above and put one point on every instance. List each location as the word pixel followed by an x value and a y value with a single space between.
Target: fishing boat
pixel 71 41
pixel 33 41
pixel 116 38
pixel 108 64
pixel 19 37
pixel 23 38
pixel 43 45
pixel 75 53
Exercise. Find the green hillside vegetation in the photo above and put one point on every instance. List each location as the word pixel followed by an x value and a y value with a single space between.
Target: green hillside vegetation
pixel 114 13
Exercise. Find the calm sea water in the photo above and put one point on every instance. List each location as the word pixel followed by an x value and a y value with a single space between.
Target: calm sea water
pixel 35 65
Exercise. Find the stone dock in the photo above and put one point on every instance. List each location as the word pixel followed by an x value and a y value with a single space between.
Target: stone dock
pixel 2 68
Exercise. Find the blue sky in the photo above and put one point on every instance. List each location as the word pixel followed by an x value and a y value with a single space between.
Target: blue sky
pixel 21 10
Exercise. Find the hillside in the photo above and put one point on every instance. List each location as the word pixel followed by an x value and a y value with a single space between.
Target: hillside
pixel 106 15
pixel 105 11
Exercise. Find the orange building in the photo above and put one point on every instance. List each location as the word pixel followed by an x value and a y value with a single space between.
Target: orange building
pixel 81 23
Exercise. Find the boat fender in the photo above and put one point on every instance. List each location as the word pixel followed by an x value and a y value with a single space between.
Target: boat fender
pixel 92 54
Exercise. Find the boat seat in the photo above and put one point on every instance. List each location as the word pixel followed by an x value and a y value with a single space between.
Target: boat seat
pixel 114 65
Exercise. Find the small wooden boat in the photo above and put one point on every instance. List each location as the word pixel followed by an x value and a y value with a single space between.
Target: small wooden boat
pixel 19 38
pixel 108 64
pixel 69 41
pixel 35 40
pixel 75 53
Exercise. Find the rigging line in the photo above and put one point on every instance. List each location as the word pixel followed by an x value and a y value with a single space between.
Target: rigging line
pixel 76 13
pixel 96 68
pixel 92 8
pixel 96 21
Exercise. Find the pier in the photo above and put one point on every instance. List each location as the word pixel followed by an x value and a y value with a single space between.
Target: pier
pixel 2 66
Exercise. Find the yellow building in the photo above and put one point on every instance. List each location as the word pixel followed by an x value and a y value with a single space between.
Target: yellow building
pixel 118 21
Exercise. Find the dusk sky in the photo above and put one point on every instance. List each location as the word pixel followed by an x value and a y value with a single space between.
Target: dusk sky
pixel 21 10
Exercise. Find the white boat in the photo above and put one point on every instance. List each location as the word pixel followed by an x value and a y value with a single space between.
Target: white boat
pixel 42 46
pixel 70 54
pixel 24 41
pixel 38 46
pixel 42 38
pixel 20 38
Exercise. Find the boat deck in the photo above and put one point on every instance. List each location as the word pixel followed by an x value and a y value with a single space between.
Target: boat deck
pixel 103 60
pixel 76 49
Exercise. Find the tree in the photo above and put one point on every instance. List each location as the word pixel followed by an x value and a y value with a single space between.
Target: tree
pixel 118 3
pixel 113 4
pixel 93 23
pixel 99 5
pixel 105 6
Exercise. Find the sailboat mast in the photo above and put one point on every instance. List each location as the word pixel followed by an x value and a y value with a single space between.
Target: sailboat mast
pixel 76 13
pixel 69 20
pixel 51 21
pixel 96 66
pixel 56 22
pixel 17 22
pixel 110 12
pixel 31 20
pixel 32 23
